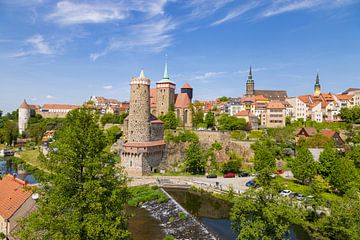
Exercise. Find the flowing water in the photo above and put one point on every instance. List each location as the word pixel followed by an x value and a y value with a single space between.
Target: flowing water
pixel 214 213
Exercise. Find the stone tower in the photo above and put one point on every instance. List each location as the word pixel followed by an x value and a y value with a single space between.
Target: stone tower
pixel 317 88
pixel 145 146
pixel 139 122
pixel 24 116
pixel 165 94
pixel 250 85
pixel 186 88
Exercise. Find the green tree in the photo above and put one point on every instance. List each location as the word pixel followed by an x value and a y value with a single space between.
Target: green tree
pixel 344 175
pixel 231 123
pixel 9 132
pixel 194 159
pixel 85 194
pixel 344 221
pixel 327 160
pixel 231 166
pixel 210 119
pixel 350 115
pixel 36 131
pixel 354 155
pixel 262 215
pixel 113 118
pixel 264 164
pixel 223 99
pixel 170 120
pixel 112 134
pixel 303 165
pixel 198 113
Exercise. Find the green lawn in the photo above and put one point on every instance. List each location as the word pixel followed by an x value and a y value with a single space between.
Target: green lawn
pixel 31 157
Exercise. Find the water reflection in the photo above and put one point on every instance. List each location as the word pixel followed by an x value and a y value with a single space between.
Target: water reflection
pixel 214 213
pixel 9 167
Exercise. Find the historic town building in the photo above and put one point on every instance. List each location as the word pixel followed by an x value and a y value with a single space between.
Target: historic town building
pixel 144 145
pixel 163 99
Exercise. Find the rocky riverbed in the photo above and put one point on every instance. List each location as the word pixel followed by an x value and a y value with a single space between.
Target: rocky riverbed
pixel 176 221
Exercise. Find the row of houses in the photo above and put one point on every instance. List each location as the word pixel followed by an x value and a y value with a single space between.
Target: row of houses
pixel 270 108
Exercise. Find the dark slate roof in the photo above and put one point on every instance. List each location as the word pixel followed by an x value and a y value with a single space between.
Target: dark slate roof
pixel 279 95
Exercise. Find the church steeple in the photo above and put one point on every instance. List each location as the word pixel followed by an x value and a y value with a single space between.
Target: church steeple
pixel 166 75
pixel 317 87
pixel 250 85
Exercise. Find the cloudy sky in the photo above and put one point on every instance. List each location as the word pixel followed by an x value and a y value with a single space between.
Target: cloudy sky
pixel 65 51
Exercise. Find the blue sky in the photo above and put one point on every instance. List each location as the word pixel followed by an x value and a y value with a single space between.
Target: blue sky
pixel 65 51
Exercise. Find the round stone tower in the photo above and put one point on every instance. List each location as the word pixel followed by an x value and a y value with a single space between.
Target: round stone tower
pixel 139 114
pixel 165 94
pixel 24 116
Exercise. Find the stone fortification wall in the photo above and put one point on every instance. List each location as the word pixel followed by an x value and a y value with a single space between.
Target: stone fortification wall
pixel 52 114
pixel 157 131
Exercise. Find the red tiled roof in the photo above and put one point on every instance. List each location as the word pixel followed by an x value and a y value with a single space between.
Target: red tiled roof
pixel 186 85
pixel 328 132
pixel 145 144
pixel 182 100
pixel 24 105
pixel 344 97
pixel 245 113
pixel 60 106
pixel 275 105
pixel 12 195
pixel 261 98
pixel 309 130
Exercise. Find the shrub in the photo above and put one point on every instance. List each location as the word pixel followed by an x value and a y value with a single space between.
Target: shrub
pixel 238 135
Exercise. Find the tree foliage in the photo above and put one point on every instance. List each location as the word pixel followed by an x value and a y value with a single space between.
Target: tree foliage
pixel 344 175
pixel 112 134
pixel 170 120
pixel 327 160
pixel 210 120
pixel 85 194
pixel 351 115
pixel 262 215
pixel 113 118
pixel 264 164
pixel 223 99
pixel 227 122
pixel 303 165
pixel 194 159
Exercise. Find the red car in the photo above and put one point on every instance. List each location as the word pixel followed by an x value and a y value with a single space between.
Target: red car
pixel 229 175
pixel 279 171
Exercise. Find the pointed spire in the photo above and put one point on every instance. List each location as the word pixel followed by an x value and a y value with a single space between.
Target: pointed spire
pixel 166 75
pixel 142 75
pixel 250 73
pixel 317 78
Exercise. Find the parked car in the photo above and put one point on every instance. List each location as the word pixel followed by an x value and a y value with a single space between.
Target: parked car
pixel 300 196
pixel 250 183
pixel 279 171
pixel 285 193
pixel 243 174
pixel 293 194
pixel 213 175
pixel 229 175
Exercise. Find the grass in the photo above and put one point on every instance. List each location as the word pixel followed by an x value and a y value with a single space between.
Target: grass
pixel 141 194
pixel 31 157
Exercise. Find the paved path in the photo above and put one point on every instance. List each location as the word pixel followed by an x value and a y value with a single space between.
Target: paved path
pixel 213 184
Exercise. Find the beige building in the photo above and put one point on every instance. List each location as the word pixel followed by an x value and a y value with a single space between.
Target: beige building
pixel 15 202
pixel 274 116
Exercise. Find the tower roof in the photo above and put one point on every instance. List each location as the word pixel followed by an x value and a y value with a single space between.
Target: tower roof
pixel 142 79
pixel 166 78
pixel 24 105
pixel 317 78
pixel 250 75
pixel 186 85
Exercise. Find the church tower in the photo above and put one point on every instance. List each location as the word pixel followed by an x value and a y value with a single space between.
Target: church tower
pixel 24 116
pixel 250 85
pixel 139 114
pixel 317 88
pixel 165 94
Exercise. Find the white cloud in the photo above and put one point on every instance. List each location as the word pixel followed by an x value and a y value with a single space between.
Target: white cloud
pixel 50 97
pixel 242 9
pixel 208 75
pixel 39 44
pixel 73 13
pixel 205 8
pixel 284 6
pixel 151 36
pixel 108 87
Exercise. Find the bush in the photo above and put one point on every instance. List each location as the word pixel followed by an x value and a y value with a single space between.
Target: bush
pixel 238 135
pixel 140 194
pixel 182 216
pixel 256 134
